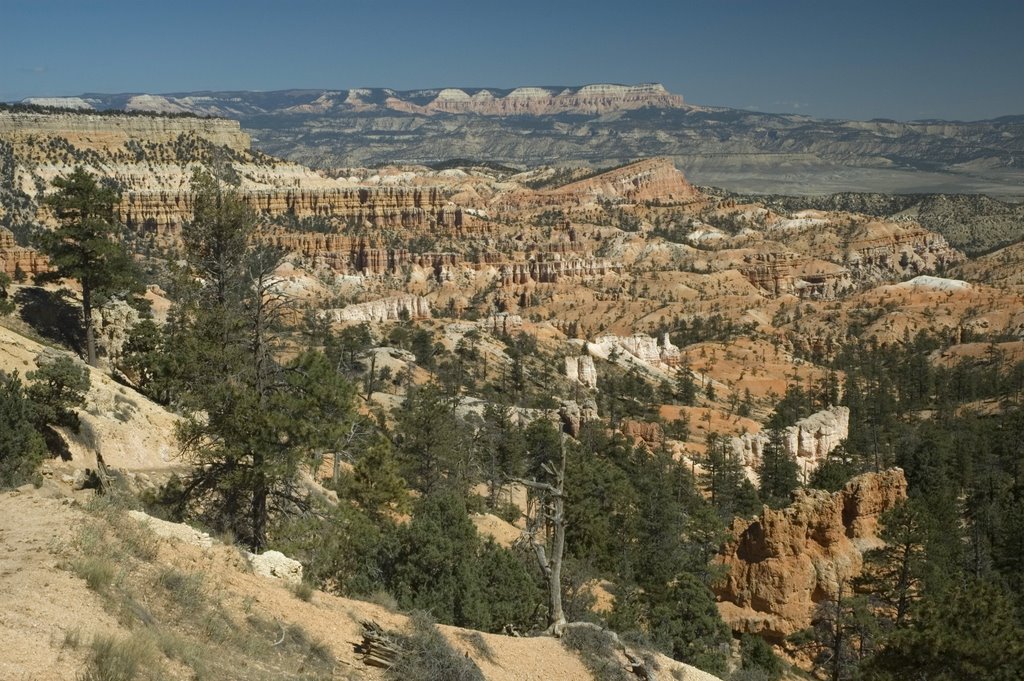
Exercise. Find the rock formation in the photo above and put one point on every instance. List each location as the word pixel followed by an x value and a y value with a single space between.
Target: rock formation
pixel 104 131
pixel 276 565
pixel 383 310
pixel 809 440
pixel 782 564
pixel 648 180
pixel 639 346
pixel 780 273
pixel 582 370
pixel 878 251
pixel 644 431
pixel 14 257
pixel 573 415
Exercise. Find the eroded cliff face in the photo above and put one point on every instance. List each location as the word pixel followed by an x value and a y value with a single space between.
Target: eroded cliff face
pixel 15 258
pixel 782 564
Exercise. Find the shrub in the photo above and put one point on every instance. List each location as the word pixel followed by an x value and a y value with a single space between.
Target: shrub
pixel 114 659
pixel 97 571
pixel 427 656
pixel 598 650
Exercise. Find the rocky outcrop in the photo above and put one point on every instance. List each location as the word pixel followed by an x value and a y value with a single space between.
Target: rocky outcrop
pixel 176 531
pixel 881 251
pixel 397 207
pixel 779 273
pixel 652 179
pixel 15 258
pixel 276 565
pixel 809 440
pixel 383 310
pixel 582 370
pixel 640 346
pixel 573 415
pixel 501 323
pixel 643 431
pixel 781 565
pixel 556 269
pixel 551 269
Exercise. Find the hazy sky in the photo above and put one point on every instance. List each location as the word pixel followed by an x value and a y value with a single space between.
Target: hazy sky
pixel 862 59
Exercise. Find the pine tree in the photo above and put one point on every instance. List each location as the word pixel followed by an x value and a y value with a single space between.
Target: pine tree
pixel 22 449
pixel 725 480
pixel 6 304
pixel 85 245
pixel 686 389
pixel 778 471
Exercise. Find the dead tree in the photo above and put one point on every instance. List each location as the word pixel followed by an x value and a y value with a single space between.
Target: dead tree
pixel 550 513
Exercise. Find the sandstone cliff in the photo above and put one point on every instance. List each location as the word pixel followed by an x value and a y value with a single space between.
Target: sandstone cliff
pixel 783 563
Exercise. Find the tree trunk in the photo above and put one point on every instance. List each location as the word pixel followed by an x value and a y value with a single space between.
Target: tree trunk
pixel 258 516
pixel 556 617
pixel 551 568
pixel 90 338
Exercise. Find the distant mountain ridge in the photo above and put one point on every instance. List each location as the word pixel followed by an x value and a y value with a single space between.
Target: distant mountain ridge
pixel 531 101
pixel 602 124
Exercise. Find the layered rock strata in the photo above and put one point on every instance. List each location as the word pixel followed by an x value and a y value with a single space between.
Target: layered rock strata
pixel 100 131
pixel 786 272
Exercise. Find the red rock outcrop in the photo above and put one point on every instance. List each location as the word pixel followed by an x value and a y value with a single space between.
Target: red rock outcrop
pixel 785 562
pixel 14 257
pixel 652 179
pixel 643 431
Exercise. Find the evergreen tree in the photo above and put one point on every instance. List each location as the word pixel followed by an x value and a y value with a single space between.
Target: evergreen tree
pixel 375 483
pixel 972 633
pixel 686 389
pixel 725 480
pixel 444 568
pixel 503 448
pixel 85 245
pixel 434 445
pixel 686 625
pixel 21 447
pixel 778 471
pixel 6 304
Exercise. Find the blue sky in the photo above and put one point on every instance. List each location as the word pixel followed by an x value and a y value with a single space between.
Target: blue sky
pixel 902 59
